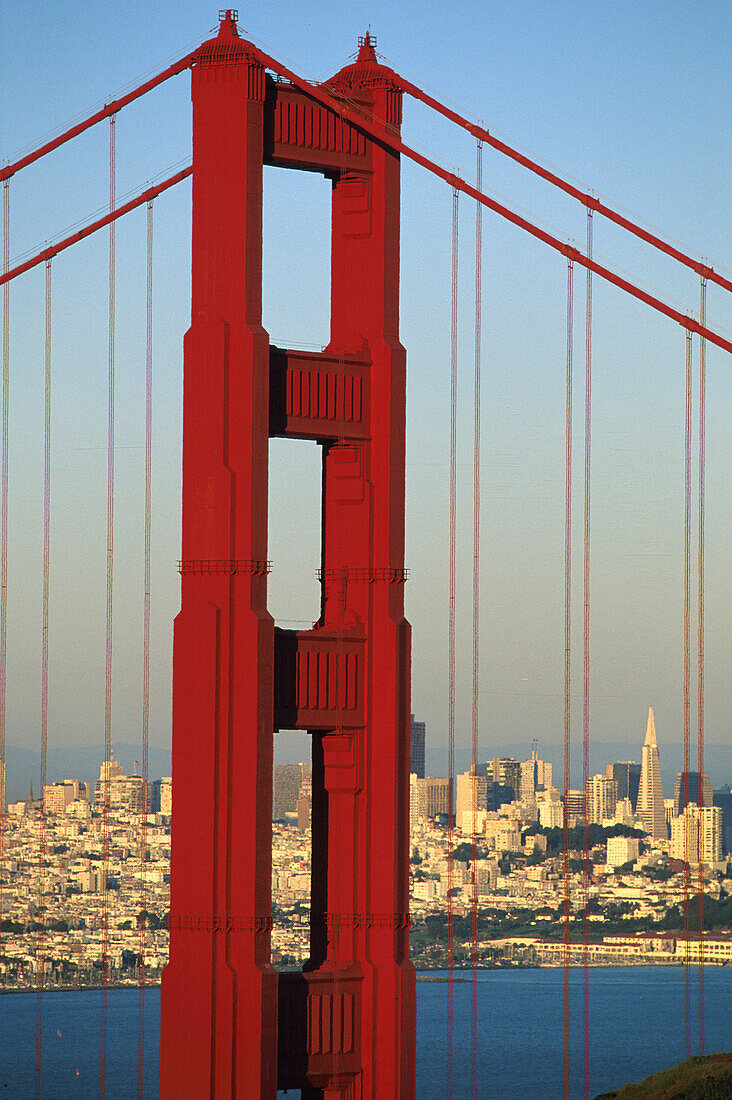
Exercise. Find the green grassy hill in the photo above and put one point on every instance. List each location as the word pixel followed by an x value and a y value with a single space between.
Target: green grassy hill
pixel 707 1078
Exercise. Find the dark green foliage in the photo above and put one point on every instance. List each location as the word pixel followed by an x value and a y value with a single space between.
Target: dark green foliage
pixel 708 1078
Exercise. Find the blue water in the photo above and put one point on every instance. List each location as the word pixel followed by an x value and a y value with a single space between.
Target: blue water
pixel 636 1028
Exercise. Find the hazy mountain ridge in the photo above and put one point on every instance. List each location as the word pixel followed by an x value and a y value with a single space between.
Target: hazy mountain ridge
pixel 83 762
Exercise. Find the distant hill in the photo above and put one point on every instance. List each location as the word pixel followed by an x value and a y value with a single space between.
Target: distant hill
pixel 707 1078
pixel 74 763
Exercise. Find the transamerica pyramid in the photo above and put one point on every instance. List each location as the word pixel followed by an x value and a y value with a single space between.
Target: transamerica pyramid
pixel 650 792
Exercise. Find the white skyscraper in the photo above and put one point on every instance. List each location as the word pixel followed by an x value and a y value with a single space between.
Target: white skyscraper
pixel 650 793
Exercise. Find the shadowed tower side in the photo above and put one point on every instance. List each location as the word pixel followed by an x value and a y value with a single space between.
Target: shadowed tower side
pixel 650 792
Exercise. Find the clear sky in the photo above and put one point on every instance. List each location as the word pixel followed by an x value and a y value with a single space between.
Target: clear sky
pixel 630 99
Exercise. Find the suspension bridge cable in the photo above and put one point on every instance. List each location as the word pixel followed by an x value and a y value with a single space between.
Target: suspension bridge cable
pixel 108 111
pixel 4 505
pixel 567 660
pixel 476 632
pixel 586 674
pixel 451 634
pixel 40 972
pixel 687 691
pixel 394 143
pixel 109 610
pixel 700 652
pixel 589 201
pixel 146 643
pixel 80 234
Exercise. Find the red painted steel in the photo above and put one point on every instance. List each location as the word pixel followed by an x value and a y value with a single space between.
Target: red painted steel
pixel 219 994
pixel 347 1024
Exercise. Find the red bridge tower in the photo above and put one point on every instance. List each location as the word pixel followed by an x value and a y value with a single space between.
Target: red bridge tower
pixel 345 1026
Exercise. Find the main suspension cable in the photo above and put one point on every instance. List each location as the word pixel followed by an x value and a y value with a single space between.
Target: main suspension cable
pixel 567 660
pixel 451 632
pixel 108 111
pixel 107 786
pixel 589 201
pixel 394 143
pixel 476 634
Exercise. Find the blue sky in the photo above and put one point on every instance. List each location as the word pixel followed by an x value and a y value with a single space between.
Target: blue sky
pixel 631 100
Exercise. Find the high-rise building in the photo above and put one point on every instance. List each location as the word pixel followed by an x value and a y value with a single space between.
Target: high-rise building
pixel 166 796
pixel 505 770
pixel 696 834
pixel 626 774
pixel 723 799
pixel 650 791
pixel 431 796
pixel 535 775
pixel 305 804
pixel 497 795
pixel 690 780
pixel 470 795
pixel 126 792
pixel 574 801
pixel 58 796
pixel 2 787
pixel 416 759
pixel 287 782
pixel 601 798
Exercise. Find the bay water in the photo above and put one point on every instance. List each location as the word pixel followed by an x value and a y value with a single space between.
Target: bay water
pixel 636 1027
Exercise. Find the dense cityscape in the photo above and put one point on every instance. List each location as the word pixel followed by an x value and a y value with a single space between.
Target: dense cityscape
pixel 648 855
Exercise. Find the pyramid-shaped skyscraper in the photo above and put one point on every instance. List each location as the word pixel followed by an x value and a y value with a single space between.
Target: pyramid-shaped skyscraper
pixel 650 792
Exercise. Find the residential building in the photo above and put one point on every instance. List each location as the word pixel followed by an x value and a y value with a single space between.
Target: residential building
pixel 621 850
pixel 471 790
pixel 696 835
pixel 602 798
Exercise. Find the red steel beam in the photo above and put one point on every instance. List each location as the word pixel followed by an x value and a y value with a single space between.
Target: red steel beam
pixel 80 234
pixel 104 112
pixel 379 134
pixel 587 200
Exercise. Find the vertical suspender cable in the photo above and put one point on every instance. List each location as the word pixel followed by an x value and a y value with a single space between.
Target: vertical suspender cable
pixel 476 634
pixel 108 649
pixel 44 678
pixel 687 685
pixel 586 676
pixel 145 647
pixel 4 505
pixel 702 472
pixel 451 630
pixel 567 663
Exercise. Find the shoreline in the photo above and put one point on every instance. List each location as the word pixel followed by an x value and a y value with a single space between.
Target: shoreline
pixel 423 974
